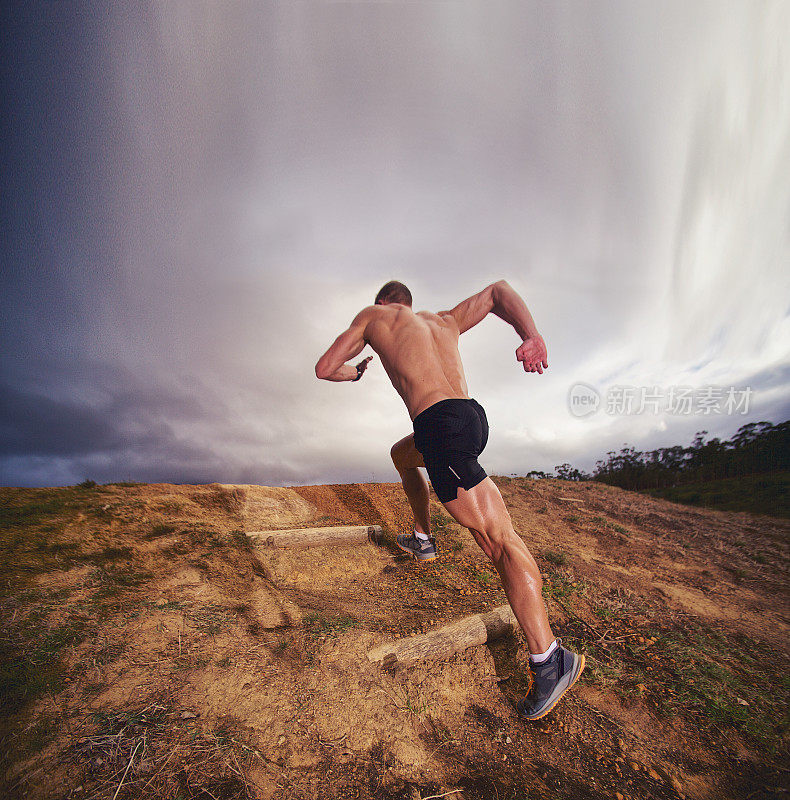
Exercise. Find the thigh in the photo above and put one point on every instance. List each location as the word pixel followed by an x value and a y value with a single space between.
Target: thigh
pixel 481 508
pixel 405 454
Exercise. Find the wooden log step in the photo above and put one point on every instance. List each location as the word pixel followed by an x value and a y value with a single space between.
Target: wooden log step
pixel 317 537
pixel 444 642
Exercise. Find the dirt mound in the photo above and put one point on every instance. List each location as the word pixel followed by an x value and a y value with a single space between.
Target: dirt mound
pixel 148 650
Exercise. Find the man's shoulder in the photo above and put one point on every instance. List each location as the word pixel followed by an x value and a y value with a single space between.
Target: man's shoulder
pixel 368 313
pixel 445 317
pixel 391 312
pixel 369 319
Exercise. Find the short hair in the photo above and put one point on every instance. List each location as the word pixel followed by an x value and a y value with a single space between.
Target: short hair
pixel 394 292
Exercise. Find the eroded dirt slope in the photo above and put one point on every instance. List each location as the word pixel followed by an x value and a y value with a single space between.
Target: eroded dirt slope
pixel 149 651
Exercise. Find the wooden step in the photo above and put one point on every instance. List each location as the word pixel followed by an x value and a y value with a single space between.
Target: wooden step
pixel 317 537
pixel 444 642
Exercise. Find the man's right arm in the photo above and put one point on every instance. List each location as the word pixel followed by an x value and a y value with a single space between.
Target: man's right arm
pixel 502 300
pixel 332 364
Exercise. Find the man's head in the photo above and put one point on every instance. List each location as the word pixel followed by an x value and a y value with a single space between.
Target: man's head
pixel 393 292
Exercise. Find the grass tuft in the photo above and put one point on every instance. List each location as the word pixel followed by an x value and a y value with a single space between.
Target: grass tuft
pixel 160 529
pixel 556 558
pixel 318 625
pixel 31 513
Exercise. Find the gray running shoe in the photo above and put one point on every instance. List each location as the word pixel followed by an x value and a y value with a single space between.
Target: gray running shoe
pixel 550 681
pixel 419 548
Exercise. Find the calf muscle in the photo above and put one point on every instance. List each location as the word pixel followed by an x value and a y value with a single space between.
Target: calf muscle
pixel 482 510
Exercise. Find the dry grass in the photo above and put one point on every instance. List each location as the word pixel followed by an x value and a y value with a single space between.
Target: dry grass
pixel 159 751
pixel 148 651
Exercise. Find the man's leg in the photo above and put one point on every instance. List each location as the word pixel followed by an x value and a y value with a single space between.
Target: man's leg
pixel 554 668
pixel 407 459
pixel 482 510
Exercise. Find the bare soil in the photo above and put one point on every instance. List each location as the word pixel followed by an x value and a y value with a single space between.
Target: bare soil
pixel 148 650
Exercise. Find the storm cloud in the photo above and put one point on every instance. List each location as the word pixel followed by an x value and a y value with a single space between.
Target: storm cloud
pixel 198 197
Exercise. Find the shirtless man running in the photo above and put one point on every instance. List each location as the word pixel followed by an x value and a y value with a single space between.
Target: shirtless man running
pixel 419 351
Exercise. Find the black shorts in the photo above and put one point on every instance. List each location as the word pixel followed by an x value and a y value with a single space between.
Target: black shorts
pixel 450 435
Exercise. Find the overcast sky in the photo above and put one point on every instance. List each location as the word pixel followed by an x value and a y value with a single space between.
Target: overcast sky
pixel 198 197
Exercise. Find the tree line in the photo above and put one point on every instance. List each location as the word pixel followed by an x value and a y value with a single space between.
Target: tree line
pixel 757 447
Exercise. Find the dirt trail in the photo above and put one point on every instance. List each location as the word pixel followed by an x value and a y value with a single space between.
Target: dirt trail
pixel 149 651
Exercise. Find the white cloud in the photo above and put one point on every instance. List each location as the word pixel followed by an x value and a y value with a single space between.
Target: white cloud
pixel 265 169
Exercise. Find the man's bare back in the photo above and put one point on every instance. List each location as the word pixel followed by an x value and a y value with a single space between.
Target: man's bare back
pixel 419 352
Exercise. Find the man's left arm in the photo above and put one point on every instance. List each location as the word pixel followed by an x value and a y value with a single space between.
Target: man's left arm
pixel 501 299
pixel 332 364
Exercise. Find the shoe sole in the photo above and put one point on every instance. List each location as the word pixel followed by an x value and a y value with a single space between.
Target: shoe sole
pixel 415 556
pixel 582 663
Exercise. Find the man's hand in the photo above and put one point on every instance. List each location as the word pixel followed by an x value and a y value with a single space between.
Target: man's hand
pixel 362 366
pixel 532 353
pixel 345 372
